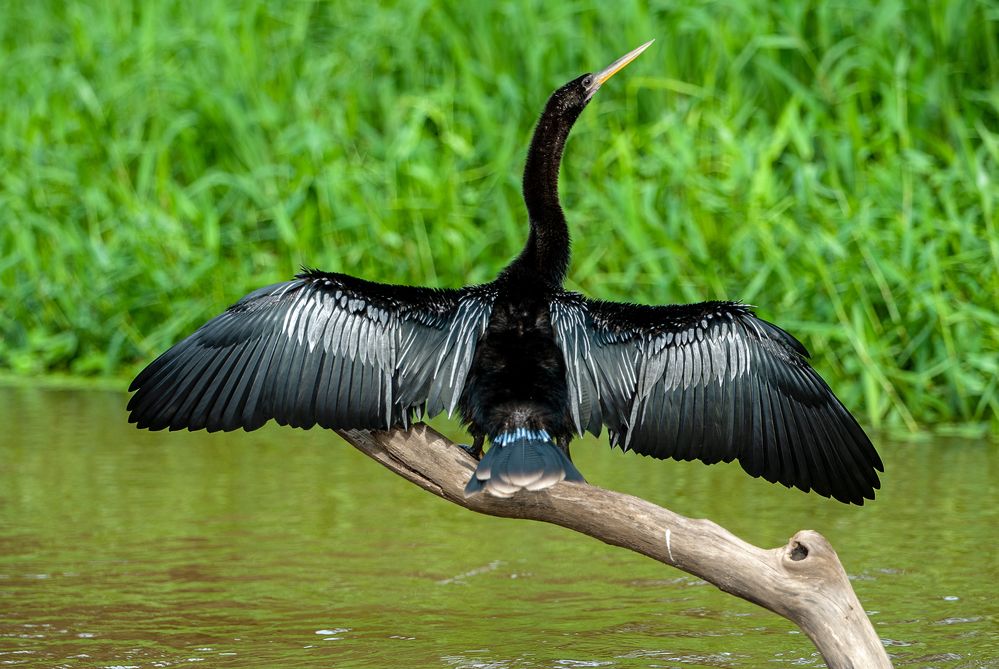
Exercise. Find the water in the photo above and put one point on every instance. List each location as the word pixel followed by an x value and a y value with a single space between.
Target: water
pixel 283 548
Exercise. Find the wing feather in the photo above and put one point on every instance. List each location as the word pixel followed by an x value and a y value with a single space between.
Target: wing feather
pixel 227 413
pixel 711 381
pixel 217 384
pixel 323 348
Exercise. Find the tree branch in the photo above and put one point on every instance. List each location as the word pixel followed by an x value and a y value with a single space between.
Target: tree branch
pixel 802 581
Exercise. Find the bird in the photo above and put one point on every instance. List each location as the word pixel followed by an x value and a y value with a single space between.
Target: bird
pixel 527 364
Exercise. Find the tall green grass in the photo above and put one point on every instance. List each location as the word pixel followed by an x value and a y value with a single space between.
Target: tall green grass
pixel 833 162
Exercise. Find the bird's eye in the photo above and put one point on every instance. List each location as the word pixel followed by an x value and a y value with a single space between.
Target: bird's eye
pixel 587 81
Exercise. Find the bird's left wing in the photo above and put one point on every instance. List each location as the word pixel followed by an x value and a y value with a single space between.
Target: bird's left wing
pixel 325 348
pixel 712 382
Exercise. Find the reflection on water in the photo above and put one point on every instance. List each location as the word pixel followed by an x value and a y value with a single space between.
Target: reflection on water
pixel 121 548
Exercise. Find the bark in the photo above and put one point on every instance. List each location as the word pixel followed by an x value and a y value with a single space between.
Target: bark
pixel 802 580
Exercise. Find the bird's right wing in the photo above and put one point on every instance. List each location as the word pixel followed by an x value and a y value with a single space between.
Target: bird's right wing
pixel 713 382
pixel 325 348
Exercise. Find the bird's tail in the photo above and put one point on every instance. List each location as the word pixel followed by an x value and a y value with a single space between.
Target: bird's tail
pixel 521 459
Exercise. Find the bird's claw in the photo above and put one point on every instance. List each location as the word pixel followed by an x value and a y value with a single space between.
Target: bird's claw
pixel 471 450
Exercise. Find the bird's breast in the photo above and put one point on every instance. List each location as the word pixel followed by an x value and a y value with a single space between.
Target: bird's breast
pixel 517 377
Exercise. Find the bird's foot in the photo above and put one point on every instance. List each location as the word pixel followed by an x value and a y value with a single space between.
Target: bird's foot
pixel 475 450
pixel 471 450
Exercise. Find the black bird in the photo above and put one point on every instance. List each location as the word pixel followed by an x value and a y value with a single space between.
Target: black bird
pixel 527 364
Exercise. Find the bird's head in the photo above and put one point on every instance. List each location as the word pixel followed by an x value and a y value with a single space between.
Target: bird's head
pixel 568 101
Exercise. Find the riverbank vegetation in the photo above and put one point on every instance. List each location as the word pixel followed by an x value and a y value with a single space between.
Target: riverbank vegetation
pixel 833 163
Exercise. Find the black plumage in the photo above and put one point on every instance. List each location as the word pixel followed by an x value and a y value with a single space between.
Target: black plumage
pixel 527 364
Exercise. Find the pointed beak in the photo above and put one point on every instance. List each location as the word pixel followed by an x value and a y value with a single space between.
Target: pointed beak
pixel 603 75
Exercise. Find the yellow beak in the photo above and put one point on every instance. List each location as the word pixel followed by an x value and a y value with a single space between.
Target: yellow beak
pixel 603 75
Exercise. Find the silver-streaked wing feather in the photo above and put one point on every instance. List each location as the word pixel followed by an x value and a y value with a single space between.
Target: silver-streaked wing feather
pixel 323 349
pixel 715 383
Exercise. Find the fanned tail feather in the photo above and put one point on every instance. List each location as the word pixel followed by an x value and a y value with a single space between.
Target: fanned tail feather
pixel 521 459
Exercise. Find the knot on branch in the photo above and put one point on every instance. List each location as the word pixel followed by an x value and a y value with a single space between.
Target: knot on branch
pixel 809 551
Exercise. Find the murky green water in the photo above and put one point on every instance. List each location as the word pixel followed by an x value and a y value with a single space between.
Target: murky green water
pixel 283 548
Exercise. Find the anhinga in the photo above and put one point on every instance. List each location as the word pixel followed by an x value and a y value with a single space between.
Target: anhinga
pixel 527 364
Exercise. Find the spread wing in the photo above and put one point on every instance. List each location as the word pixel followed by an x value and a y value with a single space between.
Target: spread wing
pixel 715 383
pixel 324 348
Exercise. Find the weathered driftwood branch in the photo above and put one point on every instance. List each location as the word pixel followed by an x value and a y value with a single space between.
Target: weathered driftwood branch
pixel 802 581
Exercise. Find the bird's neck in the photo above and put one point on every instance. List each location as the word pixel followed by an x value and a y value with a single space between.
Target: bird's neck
pixel 546 253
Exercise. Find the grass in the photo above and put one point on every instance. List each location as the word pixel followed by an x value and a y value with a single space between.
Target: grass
pixel 832 162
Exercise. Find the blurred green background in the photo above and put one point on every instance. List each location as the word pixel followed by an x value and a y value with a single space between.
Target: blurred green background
pixel 833 162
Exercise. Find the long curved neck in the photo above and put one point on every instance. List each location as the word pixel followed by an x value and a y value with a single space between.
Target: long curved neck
pixel 547 250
